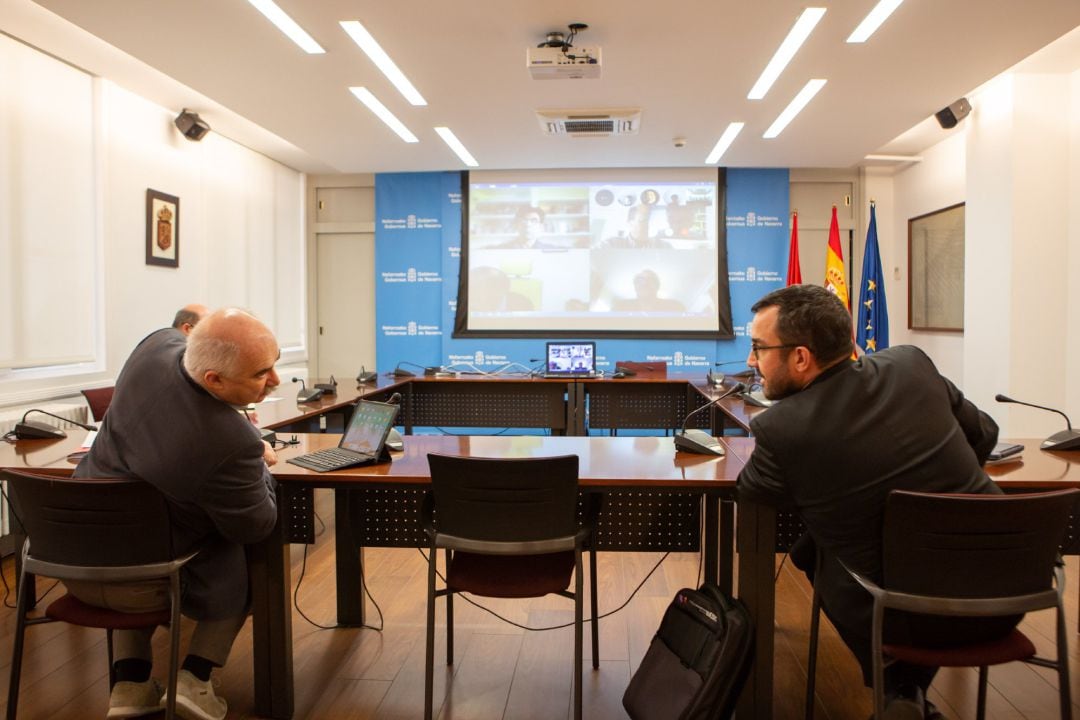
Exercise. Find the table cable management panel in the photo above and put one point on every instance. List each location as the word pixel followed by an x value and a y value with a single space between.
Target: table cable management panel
pixel 630 520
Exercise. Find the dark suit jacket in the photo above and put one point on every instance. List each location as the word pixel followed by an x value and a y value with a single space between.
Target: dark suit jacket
pixel 835 450
pixel 203 455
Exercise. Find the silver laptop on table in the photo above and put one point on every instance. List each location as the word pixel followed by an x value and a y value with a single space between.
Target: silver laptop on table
pixel 570 360
pixel 362 443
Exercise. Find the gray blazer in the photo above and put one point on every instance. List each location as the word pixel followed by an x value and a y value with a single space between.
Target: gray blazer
pixel 203 455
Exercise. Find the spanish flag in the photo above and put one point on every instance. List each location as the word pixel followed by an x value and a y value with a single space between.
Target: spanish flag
pixel 794 272
pixel 835 277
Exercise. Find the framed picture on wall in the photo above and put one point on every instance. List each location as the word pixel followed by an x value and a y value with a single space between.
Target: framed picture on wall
pixel 162 229
pixel 936 270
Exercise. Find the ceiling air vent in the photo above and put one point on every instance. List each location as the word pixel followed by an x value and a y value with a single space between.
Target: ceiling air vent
pixel 590 123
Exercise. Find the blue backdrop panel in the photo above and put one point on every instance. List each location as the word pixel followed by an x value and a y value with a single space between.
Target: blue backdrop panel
pixel 758 237
pixel 409 249
pixel 418 258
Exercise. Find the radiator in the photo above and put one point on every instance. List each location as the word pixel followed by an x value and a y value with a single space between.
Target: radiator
pixel 10 416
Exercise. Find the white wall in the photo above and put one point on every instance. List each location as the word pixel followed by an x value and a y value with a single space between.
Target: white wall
pixel 1016 165
pixel 936 182
pixel 241 238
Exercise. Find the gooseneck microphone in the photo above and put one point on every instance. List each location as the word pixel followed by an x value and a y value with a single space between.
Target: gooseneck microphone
pixel 365 376
pixel 305 395
pixel 699 441
pixel 30 430
pixel 1068 439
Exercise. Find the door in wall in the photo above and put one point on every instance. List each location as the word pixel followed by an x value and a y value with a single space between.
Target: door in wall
pixel 345 297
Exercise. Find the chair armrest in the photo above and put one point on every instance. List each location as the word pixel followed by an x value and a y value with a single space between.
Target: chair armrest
pixel 869 585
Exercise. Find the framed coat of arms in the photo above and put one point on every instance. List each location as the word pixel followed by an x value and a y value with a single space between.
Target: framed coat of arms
pixel 162 229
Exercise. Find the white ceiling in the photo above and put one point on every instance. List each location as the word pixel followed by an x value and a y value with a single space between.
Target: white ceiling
pixel 688 65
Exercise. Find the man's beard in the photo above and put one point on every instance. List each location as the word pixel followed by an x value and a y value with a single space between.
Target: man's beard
pixel 779 386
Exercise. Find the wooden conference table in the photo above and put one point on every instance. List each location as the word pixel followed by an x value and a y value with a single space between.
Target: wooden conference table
pixel 628 469
pixel 634 464
pixel 633 473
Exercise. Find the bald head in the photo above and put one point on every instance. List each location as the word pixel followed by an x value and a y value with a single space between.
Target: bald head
pixel 189 316
pixel 231 354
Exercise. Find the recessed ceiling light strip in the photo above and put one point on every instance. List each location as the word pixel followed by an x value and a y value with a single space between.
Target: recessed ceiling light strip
pixel 794 107
pixel 287 25
pixel 369 45
pixel 873 20
pixel 728 137
pixel 364 95
pixel 450 139
pixel 794 40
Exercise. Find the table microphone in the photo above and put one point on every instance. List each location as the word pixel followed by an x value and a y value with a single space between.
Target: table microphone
pixel 30 430
pixel 716 380
pixel 1068 439
pixel 400 372
pixel 305 395
pixel 699 441
pixel 329 388
pixel 365 377
pixel 394 441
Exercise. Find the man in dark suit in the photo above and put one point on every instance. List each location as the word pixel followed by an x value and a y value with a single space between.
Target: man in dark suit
pixel 173 422
pixel 189 316
pixel 846 434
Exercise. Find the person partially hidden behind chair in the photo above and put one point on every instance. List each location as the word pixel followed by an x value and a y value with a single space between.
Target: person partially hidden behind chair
pixel 173 424
pixel 189 316
pixel 845 435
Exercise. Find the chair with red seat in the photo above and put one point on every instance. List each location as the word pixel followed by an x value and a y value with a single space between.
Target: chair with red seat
pixel 509 528
pixel 98 399
pixel 98 530
pixel 965 557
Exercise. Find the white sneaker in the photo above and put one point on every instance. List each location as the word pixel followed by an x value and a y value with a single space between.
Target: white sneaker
pixel 135 699
pixel 195 699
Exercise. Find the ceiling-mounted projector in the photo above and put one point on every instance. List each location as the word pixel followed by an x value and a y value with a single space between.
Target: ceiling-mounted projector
pixel 562 63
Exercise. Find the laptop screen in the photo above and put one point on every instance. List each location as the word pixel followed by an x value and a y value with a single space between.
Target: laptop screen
pixel 577 358
pixel 368 427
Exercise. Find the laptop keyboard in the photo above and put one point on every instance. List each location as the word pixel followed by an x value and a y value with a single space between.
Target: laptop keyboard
pixel 329 459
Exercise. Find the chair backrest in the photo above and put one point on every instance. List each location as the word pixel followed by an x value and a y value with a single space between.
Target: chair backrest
pixel 91 522
pixel 971 546
pixel 505 500
pixel 98 399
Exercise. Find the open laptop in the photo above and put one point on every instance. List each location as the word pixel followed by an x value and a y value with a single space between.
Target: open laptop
pixel 570 360
pixel 362 443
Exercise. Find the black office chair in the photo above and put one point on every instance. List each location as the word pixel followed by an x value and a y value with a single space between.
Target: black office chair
pixel 100 531
pixel 98 399
pixel 510 529
pixel 966 559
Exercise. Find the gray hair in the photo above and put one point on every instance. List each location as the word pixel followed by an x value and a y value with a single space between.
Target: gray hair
pixel 218 343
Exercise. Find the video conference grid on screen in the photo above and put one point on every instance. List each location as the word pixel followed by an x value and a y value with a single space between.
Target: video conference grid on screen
pixel 593 250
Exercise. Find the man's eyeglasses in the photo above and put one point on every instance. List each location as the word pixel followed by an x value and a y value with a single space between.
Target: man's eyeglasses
pixel 758 348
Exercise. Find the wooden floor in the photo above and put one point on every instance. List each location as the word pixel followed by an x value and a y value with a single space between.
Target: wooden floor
pixel 501 671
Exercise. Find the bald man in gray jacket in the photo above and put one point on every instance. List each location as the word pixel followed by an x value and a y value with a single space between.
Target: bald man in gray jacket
pixel 173 423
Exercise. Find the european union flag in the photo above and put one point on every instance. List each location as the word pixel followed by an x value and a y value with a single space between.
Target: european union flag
pixel 873 326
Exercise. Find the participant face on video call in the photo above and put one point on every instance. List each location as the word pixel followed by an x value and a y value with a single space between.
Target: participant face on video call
pixel 531 225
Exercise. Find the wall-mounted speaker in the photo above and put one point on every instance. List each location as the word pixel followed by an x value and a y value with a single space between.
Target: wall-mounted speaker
pixel 191 125
pixel 949 116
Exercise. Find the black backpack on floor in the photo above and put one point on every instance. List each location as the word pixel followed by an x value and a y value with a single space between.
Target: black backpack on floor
pixel 697 662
